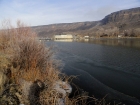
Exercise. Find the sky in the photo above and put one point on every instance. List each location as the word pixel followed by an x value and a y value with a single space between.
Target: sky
pixel 44 12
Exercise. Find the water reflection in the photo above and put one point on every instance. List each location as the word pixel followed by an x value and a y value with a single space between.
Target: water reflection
pixel 114 42
pixel 64 40
pixel 129 42
pixel 116 65
pixel 86 40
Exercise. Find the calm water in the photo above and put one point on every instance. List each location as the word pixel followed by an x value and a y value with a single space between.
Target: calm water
pixel 115 63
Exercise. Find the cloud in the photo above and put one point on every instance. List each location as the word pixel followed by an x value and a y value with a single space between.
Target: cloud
pixel 42 12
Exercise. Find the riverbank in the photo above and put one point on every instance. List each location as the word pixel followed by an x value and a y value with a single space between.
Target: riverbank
pixel 29 74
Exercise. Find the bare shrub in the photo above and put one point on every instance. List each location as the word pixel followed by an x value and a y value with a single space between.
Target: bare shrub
pixel 31 57
pixel 25 56
pixel 31 63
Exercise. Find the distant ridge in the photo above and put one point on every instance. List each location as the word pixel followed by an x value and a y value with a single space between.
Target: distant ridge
pixel 123 21
pixel 129 15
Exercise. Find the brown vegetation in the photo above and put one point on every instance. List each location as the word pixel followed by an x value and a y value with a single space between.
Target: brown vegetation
pixel 28 71
pixel 24 56
pixel 124 21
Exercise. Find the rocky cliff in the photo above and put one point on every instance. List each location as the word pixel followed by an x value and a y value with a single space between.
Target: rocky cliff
pixel 124 21
pixel 123 16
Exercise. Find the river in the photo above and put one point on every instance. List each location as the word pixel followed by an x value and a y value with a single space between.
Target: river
pixel 104 66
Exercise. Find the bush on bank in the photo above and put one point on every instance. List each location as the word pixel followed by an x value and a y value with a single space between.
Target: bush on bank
pixel 29 74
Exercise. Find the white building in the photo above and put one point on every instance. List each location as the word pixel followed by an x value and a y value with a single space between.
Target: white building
pixel 120 35
pixel 86 37
pixel 61 37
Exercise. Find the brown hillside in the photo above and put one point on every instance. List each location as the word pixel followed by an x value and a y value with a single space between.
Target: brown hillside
pixel 124 21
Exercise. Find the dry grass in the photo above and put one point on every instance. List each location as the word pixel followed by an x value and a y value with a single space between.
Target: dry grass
pixel 30 60
pixel 25 56
pixel 50 96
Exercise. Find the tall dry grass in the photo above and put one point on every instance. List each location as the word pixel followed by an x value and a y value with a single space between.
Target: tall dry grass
pixel 30 60
pixel 23 54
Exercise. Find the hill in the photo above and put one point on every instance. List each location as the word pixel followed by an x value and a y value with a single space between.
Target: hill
pixel 126 22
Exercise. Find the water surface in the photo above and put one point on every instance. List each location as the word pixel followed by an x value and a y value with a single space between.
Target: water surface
pixel 113 62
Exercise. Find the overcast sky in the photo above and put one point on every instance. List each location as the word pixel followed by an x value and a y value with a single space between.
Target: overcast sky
pixel 44 12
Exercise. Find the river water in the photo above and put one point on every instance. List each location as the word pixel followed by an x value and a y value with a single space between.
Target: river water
pixel 113 64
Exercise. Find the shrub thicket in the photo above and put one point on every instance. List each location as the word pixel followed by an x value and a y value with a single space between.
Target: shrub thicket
pixel 27 67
